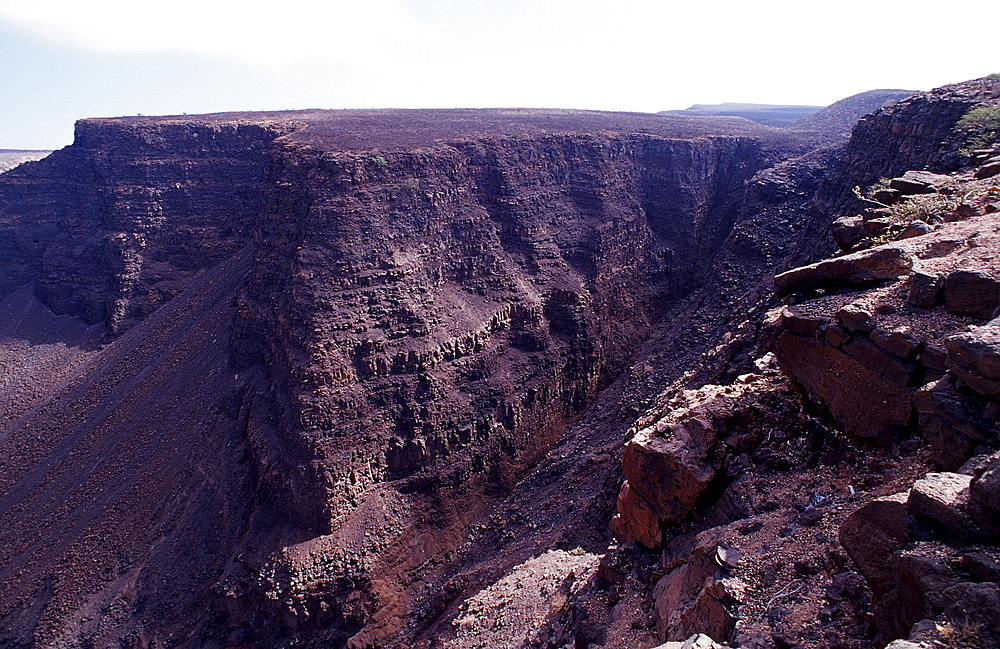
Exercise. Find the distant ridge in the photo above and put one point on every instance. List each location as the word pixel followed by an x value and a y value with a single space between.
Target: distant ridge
pixel 840 117
pixel 766 114
pixel 10 158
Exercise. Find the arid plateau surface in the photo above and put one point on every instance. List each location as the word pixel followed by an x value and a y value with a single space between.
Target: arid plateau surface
pixel 504 378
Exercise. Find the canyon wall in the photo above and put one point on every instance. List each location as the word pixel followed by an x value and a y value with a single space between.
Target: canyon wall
pixel 398 335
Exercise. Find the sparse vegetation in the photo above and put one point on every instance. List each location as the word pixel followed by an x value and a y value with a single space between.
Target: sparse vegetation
pixel 962 635
pixel 981 127
pixel 925 208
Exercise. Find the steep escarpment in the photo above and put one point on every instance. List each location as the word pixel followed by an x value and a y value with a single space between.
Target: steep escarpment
pixel 500 267
pixel 917 133
pixel 111 227
pixel 393 337
pixel 362 378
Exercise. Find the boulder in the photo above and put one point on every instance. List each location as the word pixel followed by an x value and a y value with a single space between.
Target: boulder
pixel 866 390
pixel 856 269
pixel 635 520
pixel 974 357
pixel 887 196
pixel 951 421
pixel 942 498
pixel 855 318
pixel 797 321
pixel 872 535
pixel 984 496
pixel 697 641
pixel 670 469
pixel 899 341
pixel 915 229
pixel 875 227
pixel 975 606
pixel 924 289
pixel 972 292
pixel 922 574
pixel 697 596
pixel 989 169
pixel 919 182
pixel 847 231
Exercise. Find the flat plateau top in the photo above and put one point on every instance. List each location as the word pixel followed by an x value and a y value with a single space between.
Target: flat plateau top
pixel 388 129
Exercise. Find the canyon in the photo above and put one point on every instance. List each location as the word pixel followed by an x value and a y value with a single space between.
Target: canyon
pixel 374 378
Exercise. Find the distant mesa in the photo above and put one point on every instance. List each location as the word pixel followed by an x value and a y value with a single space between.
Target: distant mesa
pixel 10 158
pixel 766 114
pixel 836 119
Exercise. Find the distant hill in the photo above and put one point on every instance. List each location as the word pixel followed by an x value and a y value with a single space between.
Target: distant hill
pixel 840 117
pixel 10 158
pixel 767 114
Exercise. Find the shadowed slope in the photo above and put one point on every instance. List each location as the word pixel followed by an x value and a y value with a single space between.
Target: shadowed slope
pixel 135 463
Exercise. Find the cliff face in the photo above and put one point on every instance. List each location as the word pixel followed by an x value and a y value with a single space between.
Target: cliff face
pixel 111 227
pixel 473 299
pixel 357 378
pixel 394 332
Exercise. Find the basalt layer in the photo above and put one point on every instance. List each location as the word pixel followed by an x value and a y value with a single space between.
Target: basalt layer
pixel 363 378
pixel 286 362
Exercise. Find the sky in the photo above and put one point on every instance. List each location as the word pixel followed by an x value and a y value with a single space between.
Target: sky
pixel 61 60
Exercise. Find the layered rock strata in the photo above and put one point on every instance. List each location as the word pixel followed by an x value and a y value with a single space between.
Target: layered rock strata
pixel 398 320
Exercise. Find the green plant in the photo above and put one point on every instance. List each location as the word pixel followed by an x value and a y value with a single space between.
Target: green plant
pixel 980 126
pixel 379 160
pixel 869 194
pixel 922 208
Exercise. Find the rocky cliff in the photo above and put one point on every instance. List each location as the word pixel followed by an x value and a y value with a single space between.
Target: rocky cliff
pixel 804 503
pixel 361 378
pixel 405 311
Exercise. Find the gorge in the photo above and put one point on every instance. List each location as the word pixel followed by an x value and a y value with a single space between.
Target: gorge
pixel 366 378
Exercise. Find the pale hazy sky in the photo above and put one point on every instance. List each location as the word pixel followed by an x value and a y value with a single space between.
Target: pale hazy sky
pixel 65 59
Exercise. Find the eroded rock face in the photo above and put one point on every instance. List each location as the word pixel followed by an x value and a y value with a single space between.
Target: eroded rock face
pixel 405 327
pixel 895 353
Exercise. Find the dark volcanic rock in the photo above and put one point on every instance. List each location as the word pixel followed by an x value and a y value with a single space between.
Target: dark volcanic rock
pixel 404 316
pixel 362 378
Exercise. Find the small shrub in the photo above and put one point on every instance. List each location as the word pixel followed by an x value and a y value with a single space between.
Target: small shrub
pixel 961 635
pixel 923 208
pixel 981 127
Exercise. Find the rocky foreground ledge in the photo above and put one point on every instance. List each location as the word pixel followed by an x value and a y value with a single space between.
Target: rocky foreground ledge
pixel 866 506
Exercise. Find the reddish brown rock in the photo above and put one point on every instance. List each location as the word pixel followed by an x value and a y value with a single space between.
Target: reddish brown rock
pixel 924 289
pixel 984 496
pixel 974 357
pixel 844 381
pixel 635 519
pixel 697 597
pixel 847 231
pixel 671 469
pixel 972 292
pixel 950 420
pixel 857 269
pixel 873 534
pixel 919 182
pixel 941 497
